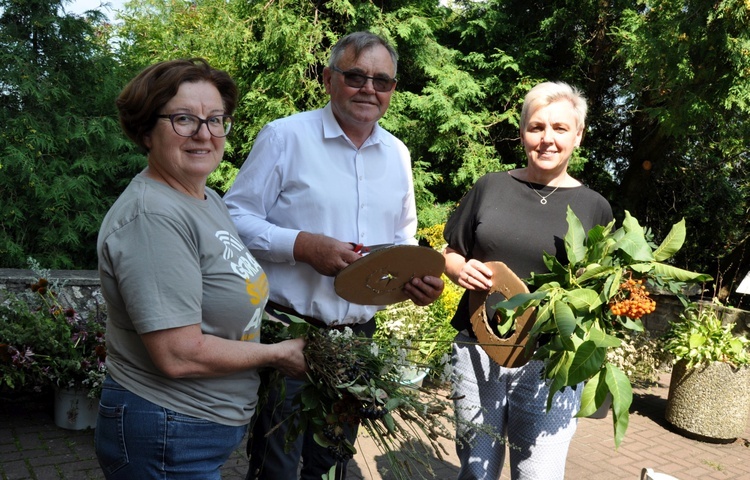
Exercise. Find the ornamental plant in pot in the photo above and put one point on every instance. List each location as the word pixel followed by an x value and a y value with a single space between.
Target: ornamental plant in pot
pixel 709 391
pixel 45 344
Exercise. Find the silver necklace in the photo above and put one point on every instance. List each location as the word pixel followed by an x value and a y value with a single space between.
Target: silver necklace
pixel 543 200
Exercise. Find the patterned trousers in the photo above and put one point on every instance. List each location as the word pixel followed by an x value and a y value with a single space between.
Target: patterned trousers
pixel 511 403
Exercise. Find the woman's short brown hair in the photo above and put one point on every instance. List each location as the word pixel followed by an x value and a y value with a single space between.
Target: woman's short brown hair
pixel 144 96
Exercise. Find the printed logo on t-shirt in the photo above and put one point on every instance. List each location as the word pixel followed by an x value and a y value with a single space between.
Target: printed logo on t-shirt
pixel 256 282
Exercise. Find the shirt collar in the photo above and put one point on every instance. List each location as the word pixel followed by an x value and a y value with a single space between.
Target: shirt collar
pixel 332 129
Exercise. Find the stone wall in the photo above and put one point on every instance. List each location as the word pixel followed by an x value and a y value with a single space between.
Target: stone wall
pixel 668 308
pixel 79 289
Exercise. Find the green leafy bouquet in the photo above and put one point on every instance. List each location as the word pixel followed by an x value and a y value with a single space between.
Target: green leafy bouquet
pixel 581 307
pixel 358 381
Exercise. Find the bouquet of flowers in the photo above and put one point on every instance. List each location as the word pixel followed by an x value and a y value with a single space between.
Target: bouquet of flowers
pixel 354 380
pixel 582 308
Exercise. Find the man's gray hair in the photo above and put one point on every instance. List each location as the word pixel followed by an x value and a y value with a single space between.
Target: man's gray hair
pixel 361 41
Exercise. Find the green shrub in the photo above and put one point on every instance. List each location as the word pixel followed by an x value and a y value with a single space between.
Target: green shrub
pixel 699 337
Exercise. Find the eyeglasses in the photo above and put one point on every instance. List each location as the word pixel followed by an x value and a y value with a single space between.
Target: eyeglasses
pixel 357 80
pixel 187 125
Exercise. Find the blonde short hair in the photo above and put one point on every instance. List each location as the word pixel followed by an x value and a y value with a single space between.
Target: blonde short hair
pixel 546 93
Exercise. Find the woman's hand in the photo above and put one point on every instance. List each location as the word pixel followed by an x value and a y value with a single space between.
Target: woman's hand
pixel 471 274
pixel 292 362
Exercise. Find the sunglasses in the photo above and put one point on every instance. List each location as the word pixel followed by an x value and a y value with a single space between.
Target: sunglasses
pixel 357 80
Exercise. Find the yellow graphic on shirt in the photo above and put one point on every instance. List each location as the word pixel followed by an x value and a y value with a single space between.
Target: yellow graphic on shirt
pixel 258 290
pixel 256 283
pixel 249 336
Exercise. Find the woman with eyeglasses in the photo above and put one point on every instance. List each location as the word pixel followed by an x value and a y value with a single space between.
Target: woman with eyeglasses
pixel 184 296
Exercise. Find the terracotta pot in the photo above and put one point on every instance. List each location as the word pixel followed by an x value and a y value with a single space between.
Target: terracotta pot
pixel 710 403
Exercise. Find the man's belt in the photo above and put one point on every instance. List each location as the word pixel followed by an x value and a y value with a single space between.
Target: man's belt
pixel 366 328
pixel 290 311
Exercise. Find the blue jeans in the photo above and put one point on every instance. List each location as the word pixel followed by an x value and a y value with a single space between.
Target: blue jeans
pixel 135 438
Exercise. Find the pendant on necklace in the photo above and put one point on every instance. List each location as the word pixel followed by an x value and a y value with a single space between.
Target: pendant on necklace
pixel 543 198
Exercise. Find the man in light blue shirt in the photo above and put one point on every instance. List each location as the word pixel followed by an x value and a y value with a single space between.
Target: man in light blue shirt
pixel 315 184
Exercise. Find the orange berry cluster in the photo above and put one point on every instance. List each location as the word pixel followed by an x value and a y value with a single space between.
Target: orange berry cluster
pixel 636 304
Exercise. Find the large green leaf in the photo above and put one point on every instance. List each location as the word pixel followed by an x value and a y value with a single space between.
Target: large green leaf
pixel 602 339
pixel 635 246
pixel 583 299
pixel 521 299
pixel 630 224
pixel 643 268
pixel 564 319
pixel 595 272
pixel 558 371
pixel 588 397
pixel 542 324
pixel 672 242
pixel 612 285
pixel 674 273
pixel 575 239
pixel 587 361
pixel 622 397
pixel 599 232
pixel 593 395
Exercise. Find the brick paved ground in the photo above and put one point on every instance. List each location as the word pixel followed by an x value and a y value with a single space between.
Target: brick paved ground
pixel 32 447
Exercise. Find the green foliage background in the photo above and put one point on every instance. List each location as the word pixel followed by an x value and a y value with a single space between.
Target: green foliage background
pixel 668 84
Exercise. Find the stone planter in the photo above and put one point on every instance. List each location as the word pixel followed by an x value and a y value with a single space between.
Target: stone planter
pixel 710 403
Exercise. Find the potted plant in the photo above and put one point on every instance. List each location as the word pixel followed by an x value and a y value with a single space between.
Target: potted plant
pixel 44 343
pixel 709 391
pixel 421 336
pixel 20 332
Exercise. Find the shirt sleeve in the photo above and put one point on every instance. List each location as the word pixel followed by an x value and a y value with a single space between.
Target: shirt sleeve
pixel 460 229
pixel 158 272
pixel 406 231
pixel 254 192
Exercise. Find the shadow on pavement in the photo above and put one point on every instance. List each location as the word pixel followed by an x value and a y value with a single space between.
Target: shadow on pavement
pixel 415 461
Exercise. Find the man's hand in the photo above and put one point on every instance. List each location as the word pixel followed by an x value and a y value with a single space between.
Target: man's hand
pixel 423 291
pixel 326 255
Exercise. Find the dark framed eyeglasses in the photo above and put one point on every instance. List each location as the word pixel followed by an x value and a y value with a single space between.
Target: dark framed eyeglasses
pixel 187 125
pixel 357 80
